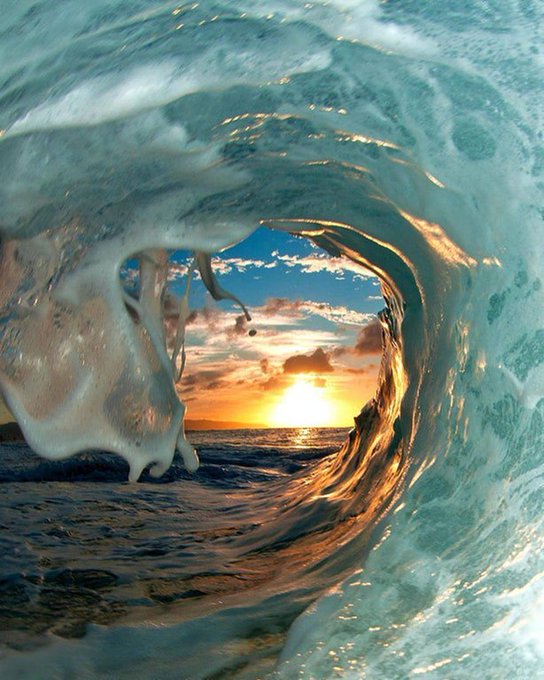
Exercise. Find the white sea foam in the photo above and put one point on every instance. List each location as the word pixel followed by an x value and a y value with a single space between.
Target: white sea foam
pixel 118 95
pixel 105 99
pixel 359 20
pixel 364 21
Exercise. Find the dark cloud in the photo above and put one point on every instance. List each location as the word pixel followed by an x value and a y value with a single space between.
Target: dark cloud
pixel 265 366
pixel 276 382
pixel 284 306
pixel 369 339
pixel 216 385
pixel 318 362
pixel 239 328
pixel 209 316
pixel 189 381
pixel 320 382
pixel 213 379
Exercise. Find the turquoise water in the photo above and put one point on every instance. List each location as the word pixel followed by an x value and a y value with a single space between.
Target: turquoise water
pixel 405 136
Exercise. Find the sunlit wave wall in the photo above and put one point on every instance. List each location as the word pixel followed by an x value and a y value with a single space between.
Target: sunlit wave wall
pixel 404 135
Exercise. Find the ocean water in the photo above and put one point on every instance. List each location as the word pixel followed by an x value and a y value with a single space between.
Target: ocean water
pixel 83 549
pixel 405 136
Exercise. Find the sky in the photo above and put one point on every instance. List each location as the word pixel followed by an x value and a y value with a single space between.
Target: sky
pixel 309 356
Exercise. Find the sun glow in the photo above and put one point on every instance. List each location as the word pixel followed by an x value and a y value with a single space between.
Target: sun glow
pixel 303 405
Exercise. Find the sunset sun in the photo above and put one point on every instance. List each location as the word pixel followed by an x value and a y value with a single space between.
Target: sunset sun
pixel 303 405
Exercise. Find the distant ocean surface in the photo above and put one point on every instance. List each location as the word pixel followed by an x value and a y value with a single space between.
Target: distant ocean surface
pixel 283 439
pixel 83 549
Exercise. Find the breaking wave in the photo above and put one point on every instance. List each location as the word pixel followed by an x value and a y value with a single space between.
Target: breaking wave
pixel 403 136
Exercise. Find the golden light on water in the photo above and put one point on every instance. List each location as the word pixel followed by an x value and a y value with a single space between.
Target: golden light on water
pixel 303 405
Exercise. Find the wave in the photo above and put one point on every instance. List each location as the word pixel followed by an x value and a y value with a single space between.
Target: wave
pixel 401 137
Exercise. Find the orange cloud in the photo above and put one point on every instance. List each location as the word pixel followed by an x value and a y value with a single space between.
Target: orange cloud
pixel 368 341
pixel 318 362
pixel 276 382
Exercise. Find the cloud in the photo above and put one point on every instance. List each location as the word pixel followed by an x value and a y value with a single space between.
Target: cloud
pixel 308 264
pixel 221 266
pixel 177 271
pixel 211 379
pixel 336 314
pixel 318 362
pixel 279 327
pixel 298 308
pixel 276 382
pixel 281 305
pixel 239 328
pixel 368 341
pixel 209 318
pixel 321 262
pixel 241 264
pixel 216 384
pixel 283 347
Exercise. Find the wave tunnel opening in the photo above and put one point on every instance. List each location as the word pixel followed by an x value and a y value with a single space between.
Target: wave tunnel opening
pixel 400 138
pixel 258 524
